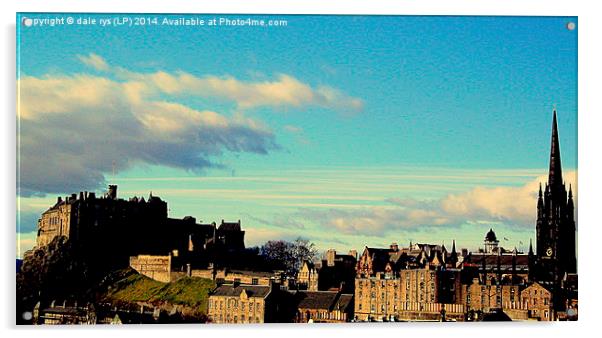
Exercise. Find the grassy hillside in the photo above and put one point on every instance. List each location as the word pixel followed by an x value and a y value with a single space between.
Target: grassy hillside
pixel 189 291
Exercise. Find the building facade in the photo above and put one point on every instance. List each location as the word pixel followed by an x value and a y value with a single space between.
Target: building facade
pixel 240 304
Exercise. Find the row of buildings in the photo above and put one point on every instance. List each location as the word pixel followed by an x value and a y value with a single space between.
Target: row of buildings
pixel 428 282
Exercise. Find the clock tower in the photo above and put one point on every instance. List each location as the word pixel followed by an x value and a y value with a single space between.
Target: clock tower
pixel 555 222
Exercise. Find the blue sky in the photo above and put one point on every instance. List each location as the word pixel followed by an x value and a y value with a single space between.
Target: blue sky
pixel 369 129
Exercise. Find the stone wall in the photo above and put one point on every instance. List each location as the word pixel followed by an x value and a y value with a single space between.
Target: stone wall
pixel 155 267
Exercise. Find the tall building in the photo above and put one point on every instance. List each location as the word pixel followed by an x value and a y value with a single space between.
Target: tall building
pixel 556 254
pixel 556 257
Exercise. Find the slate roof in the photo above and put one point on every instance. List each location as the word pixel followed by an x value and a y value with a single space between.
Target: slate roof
pixel 316 299
pixel 226 226
pixel 234 291
pixel 491 259
pixel 344 301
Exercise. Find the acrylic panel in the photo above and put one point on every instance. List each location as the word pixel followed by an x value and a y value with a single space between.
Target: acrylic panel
pixel 247 169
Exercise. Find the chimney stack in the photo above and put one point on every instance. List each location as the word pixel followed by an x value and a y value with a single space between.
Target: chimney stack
pixel 112 193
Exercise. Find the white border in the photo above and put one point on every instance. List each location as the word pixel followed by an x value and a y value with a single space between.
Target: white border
pixel 589 159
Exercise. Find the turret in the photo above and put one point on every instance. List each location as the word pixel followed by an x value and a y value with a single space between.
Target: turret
pixel 453 256
pixel 540 204
pixel 112 193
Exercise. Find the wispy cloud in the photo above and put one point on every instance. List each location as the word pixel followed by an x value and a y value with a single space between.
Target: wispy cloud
pixel 279 221
pixel 95 61
pixel 283 91
pixel 511 206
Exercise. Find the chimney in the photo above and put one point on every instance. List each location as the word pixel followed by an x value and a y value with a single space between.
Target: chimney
pixel 274 285
pixel 112 193
pixel 330 257
pixel 91 195
pixel 81 195
pixel 59 199
pixel 73 197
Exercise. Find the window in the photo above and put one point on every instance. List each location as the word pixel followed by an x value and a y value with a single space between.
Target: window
pixel 255 281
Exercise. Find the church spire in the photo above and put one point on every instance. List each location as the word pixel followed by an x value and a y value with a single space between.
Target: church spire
pixel 555 176
pixel 530 247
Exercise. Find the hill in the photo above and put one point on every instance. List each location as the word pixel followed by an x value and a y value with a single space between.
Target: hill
pixel 130 287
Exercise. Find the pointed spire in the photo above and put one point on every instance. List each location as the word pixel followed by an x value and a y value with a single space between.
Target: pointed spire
pixel 540 193
pixel 555 176
pixel 570 192
pixel 530 246
pixel 454 245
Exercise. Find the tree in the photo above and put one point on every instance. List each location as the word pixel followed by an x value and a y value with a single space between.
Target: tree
pixel 289 255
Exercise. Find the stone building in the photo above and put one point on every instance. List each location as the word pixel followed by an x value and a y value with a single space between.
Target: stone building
pixel 63 313
pixel 337 272
pixel 307 278
pixel 242 304
pixel 407 284
pixel 323 307
pixel 537 300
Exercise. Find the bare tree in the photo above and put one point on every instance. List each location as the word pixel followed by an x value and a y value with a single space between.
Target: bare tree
pixel 289 255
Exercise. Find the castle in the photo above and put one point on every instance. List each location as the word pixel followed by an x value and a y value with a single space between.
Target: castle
pixel 114 229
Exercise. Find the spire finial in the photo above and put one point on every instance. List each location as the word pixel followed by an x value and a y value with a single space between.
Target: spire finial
pixel 530 246
pixel 555 175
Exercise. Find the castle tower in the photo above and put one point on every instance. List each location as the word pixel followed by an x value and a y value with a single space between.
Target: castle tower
pixel 555 221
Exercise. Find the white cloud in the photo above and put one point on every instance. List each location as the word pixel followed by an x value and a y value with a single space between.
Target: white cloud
pixel 95 61
pixel 512 206
pixel 73 127
pixel 281 92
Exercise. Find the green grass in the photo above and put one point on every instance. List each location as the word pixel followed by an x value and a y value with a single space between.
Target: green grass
pixel 190 291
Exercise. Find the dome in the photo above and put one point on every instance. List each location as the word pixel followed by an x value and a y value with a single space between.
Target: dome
pixel 490 237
